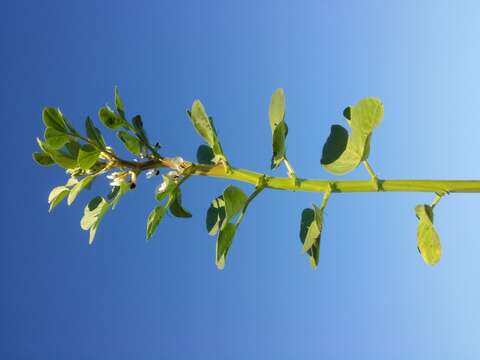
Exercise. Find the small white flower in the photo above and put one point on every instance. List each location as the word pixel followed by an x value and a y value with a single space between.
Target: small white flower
pixel 153 172
pixel 116 182
pixel 173 175
pixel 162 187
pixel 177 163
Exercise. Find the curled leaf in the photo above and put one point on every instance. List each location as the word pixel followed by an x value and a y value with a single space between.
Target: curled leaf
pixel 428 241
pixel 342 152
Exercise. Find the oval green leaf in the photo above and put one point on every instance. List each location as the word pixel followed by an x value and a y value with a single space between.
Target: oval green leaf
pixel 131 142
pixel 87 156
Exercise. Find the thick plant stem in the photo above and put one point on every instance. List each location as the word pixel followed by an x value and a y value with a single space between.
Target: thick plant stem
pixel 311 185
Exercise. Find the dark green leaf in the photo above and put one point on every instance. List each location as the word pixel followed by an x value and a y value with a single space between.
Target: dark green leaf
pixel 216 215
pixel 87 156
pixel 310 235
pixel 278 143
pixel 73 147
pixel 109 118
pixel 234 201
pixel 131 143
pixel 119 103
pixel 205 155
pixel 42 158
pixel 154 219
pixel 52 118
pixel 175 205
pixel 94 134
pixel 335 144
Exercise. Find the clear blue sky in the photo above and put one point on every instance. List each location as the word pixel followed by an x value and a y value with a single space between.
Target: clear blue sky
pixel 124 298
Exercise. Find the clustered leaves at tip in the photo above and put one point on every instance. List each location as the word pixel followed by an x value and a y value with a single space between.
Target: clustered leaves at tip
pixel 85 157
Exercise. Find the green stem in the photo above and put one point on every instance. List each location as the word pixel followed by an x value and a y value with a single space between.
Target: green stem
pixel 437 199
pixel 312 185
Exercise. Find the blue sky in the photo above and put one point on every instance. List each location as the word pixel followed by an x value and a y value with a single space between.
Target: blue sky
pixel 371 296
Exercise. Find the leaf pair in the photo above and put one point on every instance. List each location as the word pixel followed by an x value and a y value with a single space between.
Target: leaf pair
pixel 170 189
pixel 428 241
pixel 311 225
pixel 71 189
pixel 276 114
pixel 114 119
pixel 221 212
pixel 204 126
pixel 93 215
pixel 343 152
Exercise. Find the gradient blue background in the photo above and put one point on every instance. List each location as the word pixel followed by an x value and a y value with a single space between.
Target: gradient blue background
pixel 124 298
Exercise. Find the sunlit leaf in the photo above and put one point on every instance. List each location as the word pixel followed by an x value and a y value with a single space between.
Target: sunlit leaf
pixel 362 118
pixel 428 241
pixel 79 186
pixel 56 196
pixel 201 123
pixel 93 214
pixel 276 113
pixel 156 215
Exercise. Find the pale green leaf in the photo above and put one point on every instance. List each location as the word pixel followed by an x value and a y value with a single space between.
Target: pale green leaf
pixel 428 241
pixel 93 214
pixel 276 110
pixel 56 196
pixel 363 117
pixel 79 186
pixel 201 123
